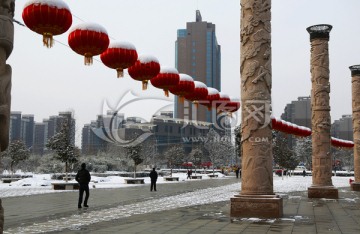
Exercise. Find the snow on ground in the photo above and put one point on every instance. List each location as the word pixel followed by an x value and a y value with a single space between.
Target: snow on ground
pixel 198 197
pixel 41 183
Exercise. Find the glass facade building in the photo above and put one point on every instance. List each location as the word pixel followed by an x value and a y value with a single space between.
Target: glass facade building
pixel 198 54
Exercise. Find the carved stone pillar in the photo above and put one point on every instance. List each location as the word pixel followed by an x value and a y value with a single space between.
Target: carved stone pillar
pixel 257 198
pixel 321 122
pixel 7 8
pixel 355 74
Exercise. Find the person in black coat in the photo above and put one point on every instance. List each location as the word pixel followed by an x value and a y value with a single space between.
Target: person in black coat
pixel 237 171
pixel 153 178
pixel 83 178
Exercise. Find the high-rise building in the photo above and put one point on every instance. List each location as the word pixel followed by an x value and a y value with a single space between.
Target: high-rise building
pixel 298 112
pixel 97 134
pixel 68 117
pixel 27 130
pixel 343 128
pixel 55 122
pixel 15 126
pixel 40 138
pixel 165 131
pixel 22 128
pixel 198 55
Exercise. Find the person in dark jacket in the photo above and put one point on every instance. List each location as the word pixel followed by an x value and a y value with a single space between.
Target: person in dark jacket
pixel 237 171
pixel 153 178
pixel 83 178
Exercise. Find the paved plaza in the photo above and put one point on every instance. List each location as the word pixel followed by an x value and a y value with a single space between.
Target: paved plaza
pixel 201 206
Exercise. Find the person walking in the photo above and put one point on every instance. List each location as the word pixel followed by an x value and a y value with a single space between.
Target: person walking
pixel 153 178
pixel 83 178
pixel 237 170
pixel 188 174
pixel 304 173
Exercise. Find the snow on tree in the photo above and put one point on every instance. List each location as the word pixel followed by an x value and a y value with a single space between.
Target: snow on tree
pixel 61 143
pixel 237 133
pixel 149 151
pixel 303 150
pixel 283 155
pixel 133 152
pixel 16 152
pixel 217 147
pixel 174 155
pixel 343 159
pixel 196 156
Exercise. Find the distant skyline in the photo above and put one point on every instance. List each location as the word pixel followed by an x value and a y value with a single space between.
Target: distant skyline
pixel 46 81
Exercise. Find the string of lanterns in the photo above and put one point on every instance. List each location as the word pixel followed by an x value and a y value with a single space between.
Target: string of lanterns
pixel 301 131
pixel 53 17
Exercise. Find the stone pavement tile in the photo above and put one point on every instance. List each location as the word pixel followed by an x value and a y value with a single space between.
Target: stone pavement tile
pixel 306 208
pixel 291 206
pixel 260 228
pixel 301 215
pixel 281 227
pixel 228 232
pixel 305 226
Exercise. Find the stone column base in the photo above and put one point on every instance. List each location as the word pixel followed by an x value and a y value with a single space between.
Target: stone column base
pixel 259 206
pixel 355 186
pixel 329 192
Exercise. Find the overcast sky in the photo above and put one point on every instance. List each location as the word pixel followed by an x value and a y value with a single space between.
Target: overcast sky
pixel 46 81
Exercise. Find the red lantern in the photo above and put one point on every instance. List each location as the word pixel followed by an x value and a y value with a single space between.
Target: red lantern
pixel 292 128
pixel 48 18
pixel 285 127
pixel 300 131
pixel 335 142
pixel 221 103
pixel 144 69
pixel 230 106
pixel 307 131
pixel 185 86
pixel 233 106
pixel 350 144
pixel 211 99
pixel 223 97
pixel 166 79
pixel 119 56
pixel 273 123
pixel 200 92
pixel 88 39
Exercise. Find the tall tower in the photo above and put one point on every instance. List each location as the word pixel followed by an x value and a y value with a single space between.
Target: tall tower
pixel 197 54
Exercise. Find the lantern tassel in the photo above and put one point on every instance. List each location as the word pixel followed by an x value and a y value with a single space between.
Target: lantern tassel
pixel 166 92
pixel 120 72
pixel 181 99
pixel 144 84
pixel 48 40
pixel 88 59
